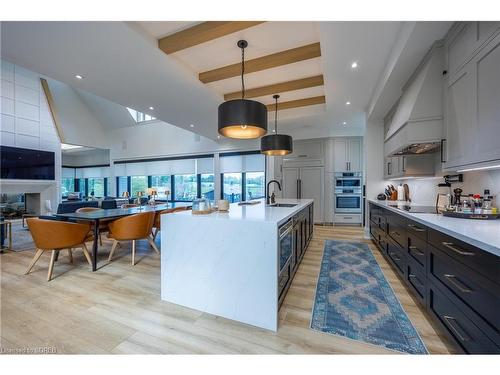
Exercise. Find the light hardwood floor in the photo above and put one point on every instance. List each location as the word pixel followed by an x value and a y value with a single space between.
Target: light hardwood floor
pixel 118 309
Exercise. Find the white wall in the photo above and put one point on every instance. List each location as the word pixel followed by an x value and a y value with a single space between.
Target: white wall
pixel 26 122
pixel 373 158
pixel 86 158
pixel 79 125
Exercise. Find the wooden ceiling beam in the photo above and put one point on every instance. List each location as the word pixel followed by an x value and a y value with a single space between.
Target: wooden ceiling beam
pixel 290 56
pixel 298 103
pixel 202 33
pixel 277 88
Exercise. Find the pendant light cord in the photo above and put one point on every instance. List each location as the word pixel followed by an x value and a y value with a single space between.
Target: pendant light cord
pixel 242 72
pixel 276 116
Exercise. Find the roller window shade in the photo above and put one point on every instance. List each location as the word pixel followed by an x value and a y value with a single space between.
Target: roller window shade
pixel 205 166
pixel 93 172
pixel 243 163
pixel 68 173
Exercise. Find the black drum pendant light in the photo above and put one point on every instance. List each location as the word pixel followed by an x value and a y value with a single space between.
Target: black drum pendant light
pixel 242 118
pixel 276 144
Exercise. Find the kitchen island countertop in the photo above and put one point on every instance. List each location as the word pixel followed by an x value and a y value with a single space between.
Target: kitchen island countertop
pixel 227 263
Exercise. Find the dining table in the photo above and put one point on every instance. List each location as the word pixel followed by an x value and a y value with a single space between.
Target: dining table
pixel 115 213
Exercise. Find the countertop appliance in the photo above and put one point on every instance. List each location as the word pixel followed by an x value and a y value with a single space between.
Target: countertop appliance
pixel 348 193
pixel 418 209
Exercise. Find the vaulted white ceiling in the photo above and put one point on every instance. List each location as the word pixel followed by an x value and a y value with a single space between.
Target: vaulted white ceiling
pixel 122 63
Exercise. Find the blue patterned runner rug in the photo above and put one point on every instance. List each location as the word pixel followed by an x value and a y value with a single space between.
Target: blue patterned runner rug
pixel 354 300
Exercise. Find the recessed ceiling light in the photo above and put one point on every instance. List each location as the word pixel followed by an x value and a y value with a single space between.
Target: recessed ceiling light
pixel 347 103
pixel 191 125
pixel 151 108
pixel 354 65
pixel 218 137
pixel 344 123
pixel 78 76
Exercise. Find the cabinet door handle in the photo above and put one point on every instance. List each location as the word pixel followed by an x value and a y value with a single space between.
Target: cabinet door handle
pixel 416 250
pixel 389 168
pixel 403 168
pixel 450 246
pixel 393 256
pixel 457 283
pixel 443 141
pixel 415 228
pixel 414 277
pixel 462 336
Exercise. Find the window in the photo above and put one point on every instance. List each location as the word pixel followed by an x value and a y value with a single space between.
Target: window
pixel 254 185
pixel 207 186
pixel 231 187
pixel 139 116
pixel 95 186
pixel 185 187
pixel 121 185
pixel 161 184
pixel 67 186
pixel 138 183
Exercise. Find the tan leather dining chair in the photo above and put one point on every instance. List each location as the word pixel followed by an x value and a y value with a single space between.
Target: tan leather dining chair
pixel 51 235
pixel 132 228
pixel 103 224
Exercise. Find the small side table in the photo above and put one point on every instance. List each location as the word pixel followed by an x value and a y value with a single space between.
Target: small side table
pixel 24 216
pixel 8 231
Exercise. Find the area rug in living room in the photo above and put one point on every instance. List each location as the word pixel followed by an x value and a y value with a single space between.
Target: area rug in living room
pixel 354 300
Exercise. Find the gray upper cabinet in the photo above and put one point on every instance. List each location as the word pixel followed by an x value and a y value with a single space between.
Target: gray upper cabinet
pixel 487 71
pixel 347 154
pixel 459 118
pixel 306 149
pixel 472 96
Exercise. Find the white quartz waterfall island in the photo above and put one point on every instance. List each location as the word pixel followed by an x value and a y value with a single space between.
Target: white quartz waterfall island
pixel 237 265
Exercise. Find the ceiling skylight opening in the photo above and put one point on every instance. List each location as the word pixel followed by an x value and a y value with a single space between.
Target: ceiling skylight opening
pixel 140 117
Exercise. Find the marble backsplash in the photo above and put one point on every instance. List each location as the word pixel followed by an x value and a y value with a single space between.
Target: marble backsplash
pixel 424 191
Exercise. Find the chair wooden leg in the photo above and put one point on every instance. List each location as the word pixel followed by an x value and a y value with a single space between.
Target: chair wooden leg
pixel 113 248
pixel 37 256
pixel 133 252
pixel 87 254
pixel 153 245
pixel 51 264
pixel 70 255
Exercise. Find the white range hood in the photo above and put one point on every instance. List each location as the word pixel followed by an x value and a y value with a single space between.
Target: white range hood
pixel 417 124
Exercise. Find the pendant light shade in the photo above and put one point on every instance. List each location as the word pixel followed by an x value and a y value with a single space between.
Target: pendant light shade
pixel 242 118
pixel 276 144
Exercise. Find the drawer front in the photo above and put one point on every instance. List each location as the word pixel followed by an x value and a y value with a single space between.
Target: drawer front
pixel 417 229
pixel 417 249
pixel 482 261
pixel 415 277
pixel 283 279
pixel 396 228
pixel 479 293
pixel 398 234
pixel 458 325
pixel 350 219
pixel 396 256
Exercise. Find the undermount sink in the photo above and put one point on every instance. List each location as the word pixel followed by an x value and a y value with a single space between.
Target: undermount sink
pixel 283 205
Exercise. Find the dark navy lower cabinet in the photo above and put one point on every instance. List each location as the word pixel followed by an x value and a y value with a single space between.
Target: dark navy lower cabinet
pixel 459 284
